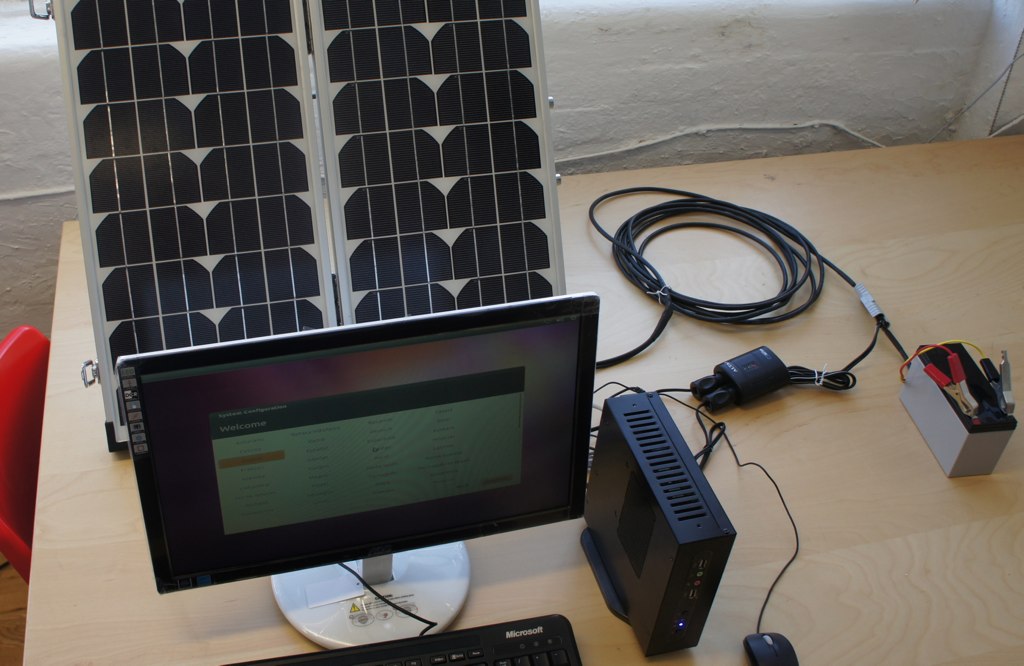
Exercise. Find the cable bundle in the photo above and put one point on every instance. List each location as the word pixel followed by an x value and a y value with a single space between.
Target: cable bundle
pixel 798 260
pixel 801 267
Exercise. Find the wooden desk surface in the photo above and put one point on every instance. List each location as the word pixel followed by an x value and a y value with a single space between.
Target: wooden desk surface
pixel 898 563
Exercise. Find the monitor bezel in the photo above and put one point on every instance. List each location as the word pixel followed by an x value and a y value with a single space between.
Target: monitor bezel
pixel 583 307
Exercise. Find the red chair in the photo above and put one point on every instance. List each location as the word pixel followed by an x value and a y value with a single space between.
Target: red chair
pixel 23 357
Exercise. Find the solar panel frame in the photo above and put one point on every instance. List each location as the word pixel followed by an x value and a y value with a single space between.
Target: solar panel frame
pixel 151 175
pixel 416 268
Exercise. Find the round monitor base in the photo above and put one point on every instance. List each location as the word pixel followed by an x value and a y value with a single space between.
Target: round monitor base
pixel 431 582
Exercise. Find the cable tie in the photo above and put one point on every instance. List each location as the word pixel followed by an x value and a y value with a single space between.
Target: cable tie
pixel 819 379
pixel 661 292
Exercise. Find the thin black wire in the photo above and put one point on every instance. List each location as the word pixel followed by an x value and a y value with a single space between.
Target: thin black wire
pixel 838 380
pixel 594 429
pixel 717 433
pixel 801 266
pixel 711 437
pixel 430 623
pixel 789 514
pixel 666 315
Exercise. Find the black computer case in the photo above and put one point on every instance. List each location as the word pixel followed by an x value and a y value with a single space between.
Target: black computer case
pixel 657 538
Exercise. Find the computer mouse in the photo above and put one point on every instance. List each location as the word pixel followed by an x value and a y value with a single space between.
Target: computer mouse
pixel 770 649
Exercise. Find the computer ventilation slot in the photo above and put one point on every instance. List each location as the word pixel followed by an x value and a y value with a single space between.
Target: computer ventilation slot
pixel 669 472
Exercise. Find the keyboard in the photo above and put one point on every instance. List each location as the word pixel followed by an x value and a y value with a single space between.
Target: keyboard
pixel 539 641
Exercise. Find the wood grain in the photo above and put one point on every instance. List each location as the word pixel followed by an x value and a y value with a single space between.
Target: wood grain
pixel 13 602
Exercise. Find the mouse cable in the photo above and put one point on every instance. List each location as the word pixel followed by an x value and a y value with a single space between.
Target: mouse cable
pixel 789 514
pixel 800 264
pixel 712 436
pixel 405 611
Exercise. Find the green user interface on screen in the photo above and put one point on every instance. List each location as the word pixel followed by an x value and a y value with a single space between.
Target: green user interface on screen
pixel 358 452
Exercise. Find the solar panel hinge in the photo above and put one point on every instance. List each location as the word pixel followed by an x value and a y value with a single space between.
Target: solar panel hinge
pixel 43 17
pixel 90 372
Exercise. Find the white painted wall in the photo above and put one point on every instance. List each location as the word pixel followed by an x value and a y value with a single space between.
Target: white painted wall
pixel 636 84
pixel 36 188
pixel 701 80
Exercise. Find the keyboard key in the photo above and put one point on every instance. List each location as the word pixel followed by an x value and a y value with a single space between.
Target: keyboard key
pixel 559 658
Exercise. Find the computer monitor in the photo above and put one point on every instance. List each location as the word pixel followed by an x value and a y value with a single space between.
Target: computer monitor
pixel 289 454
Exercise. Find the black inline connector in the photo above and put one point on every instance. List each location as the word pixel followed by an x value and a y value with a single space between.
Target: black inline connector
pixel 759 372
pixel 742 379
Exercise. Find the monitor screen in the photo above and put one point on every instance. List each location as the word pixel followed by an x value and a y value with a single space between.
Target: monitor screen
pixel 269 455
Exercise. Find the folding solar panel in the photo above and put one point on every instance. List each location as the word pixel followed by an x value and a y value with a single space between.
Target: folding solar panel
pixel 198 181
pixel 200 149
pixel 437 157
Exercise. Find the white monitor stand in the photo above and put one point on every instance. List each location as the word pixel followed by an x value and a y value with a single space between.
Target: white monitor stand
pixel 330 607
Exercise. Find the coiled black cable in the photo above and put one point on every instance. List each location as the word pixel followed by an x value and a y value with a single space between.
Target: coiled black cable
pixel 838 380
pixel 801 266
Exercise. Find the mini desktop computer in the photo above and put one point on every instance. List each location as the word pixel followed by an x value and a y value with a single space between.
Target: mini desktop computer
pixel 657 538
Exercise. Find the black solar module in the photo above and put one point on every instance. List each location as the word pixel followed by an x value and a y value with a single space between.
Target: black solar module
pixel 199 181
pixel 434 129
pixel 199 165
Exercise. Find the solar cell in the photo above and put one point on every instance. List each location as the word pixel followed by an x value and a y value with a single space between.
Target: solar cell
pixel 199 196
pixel 434 128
